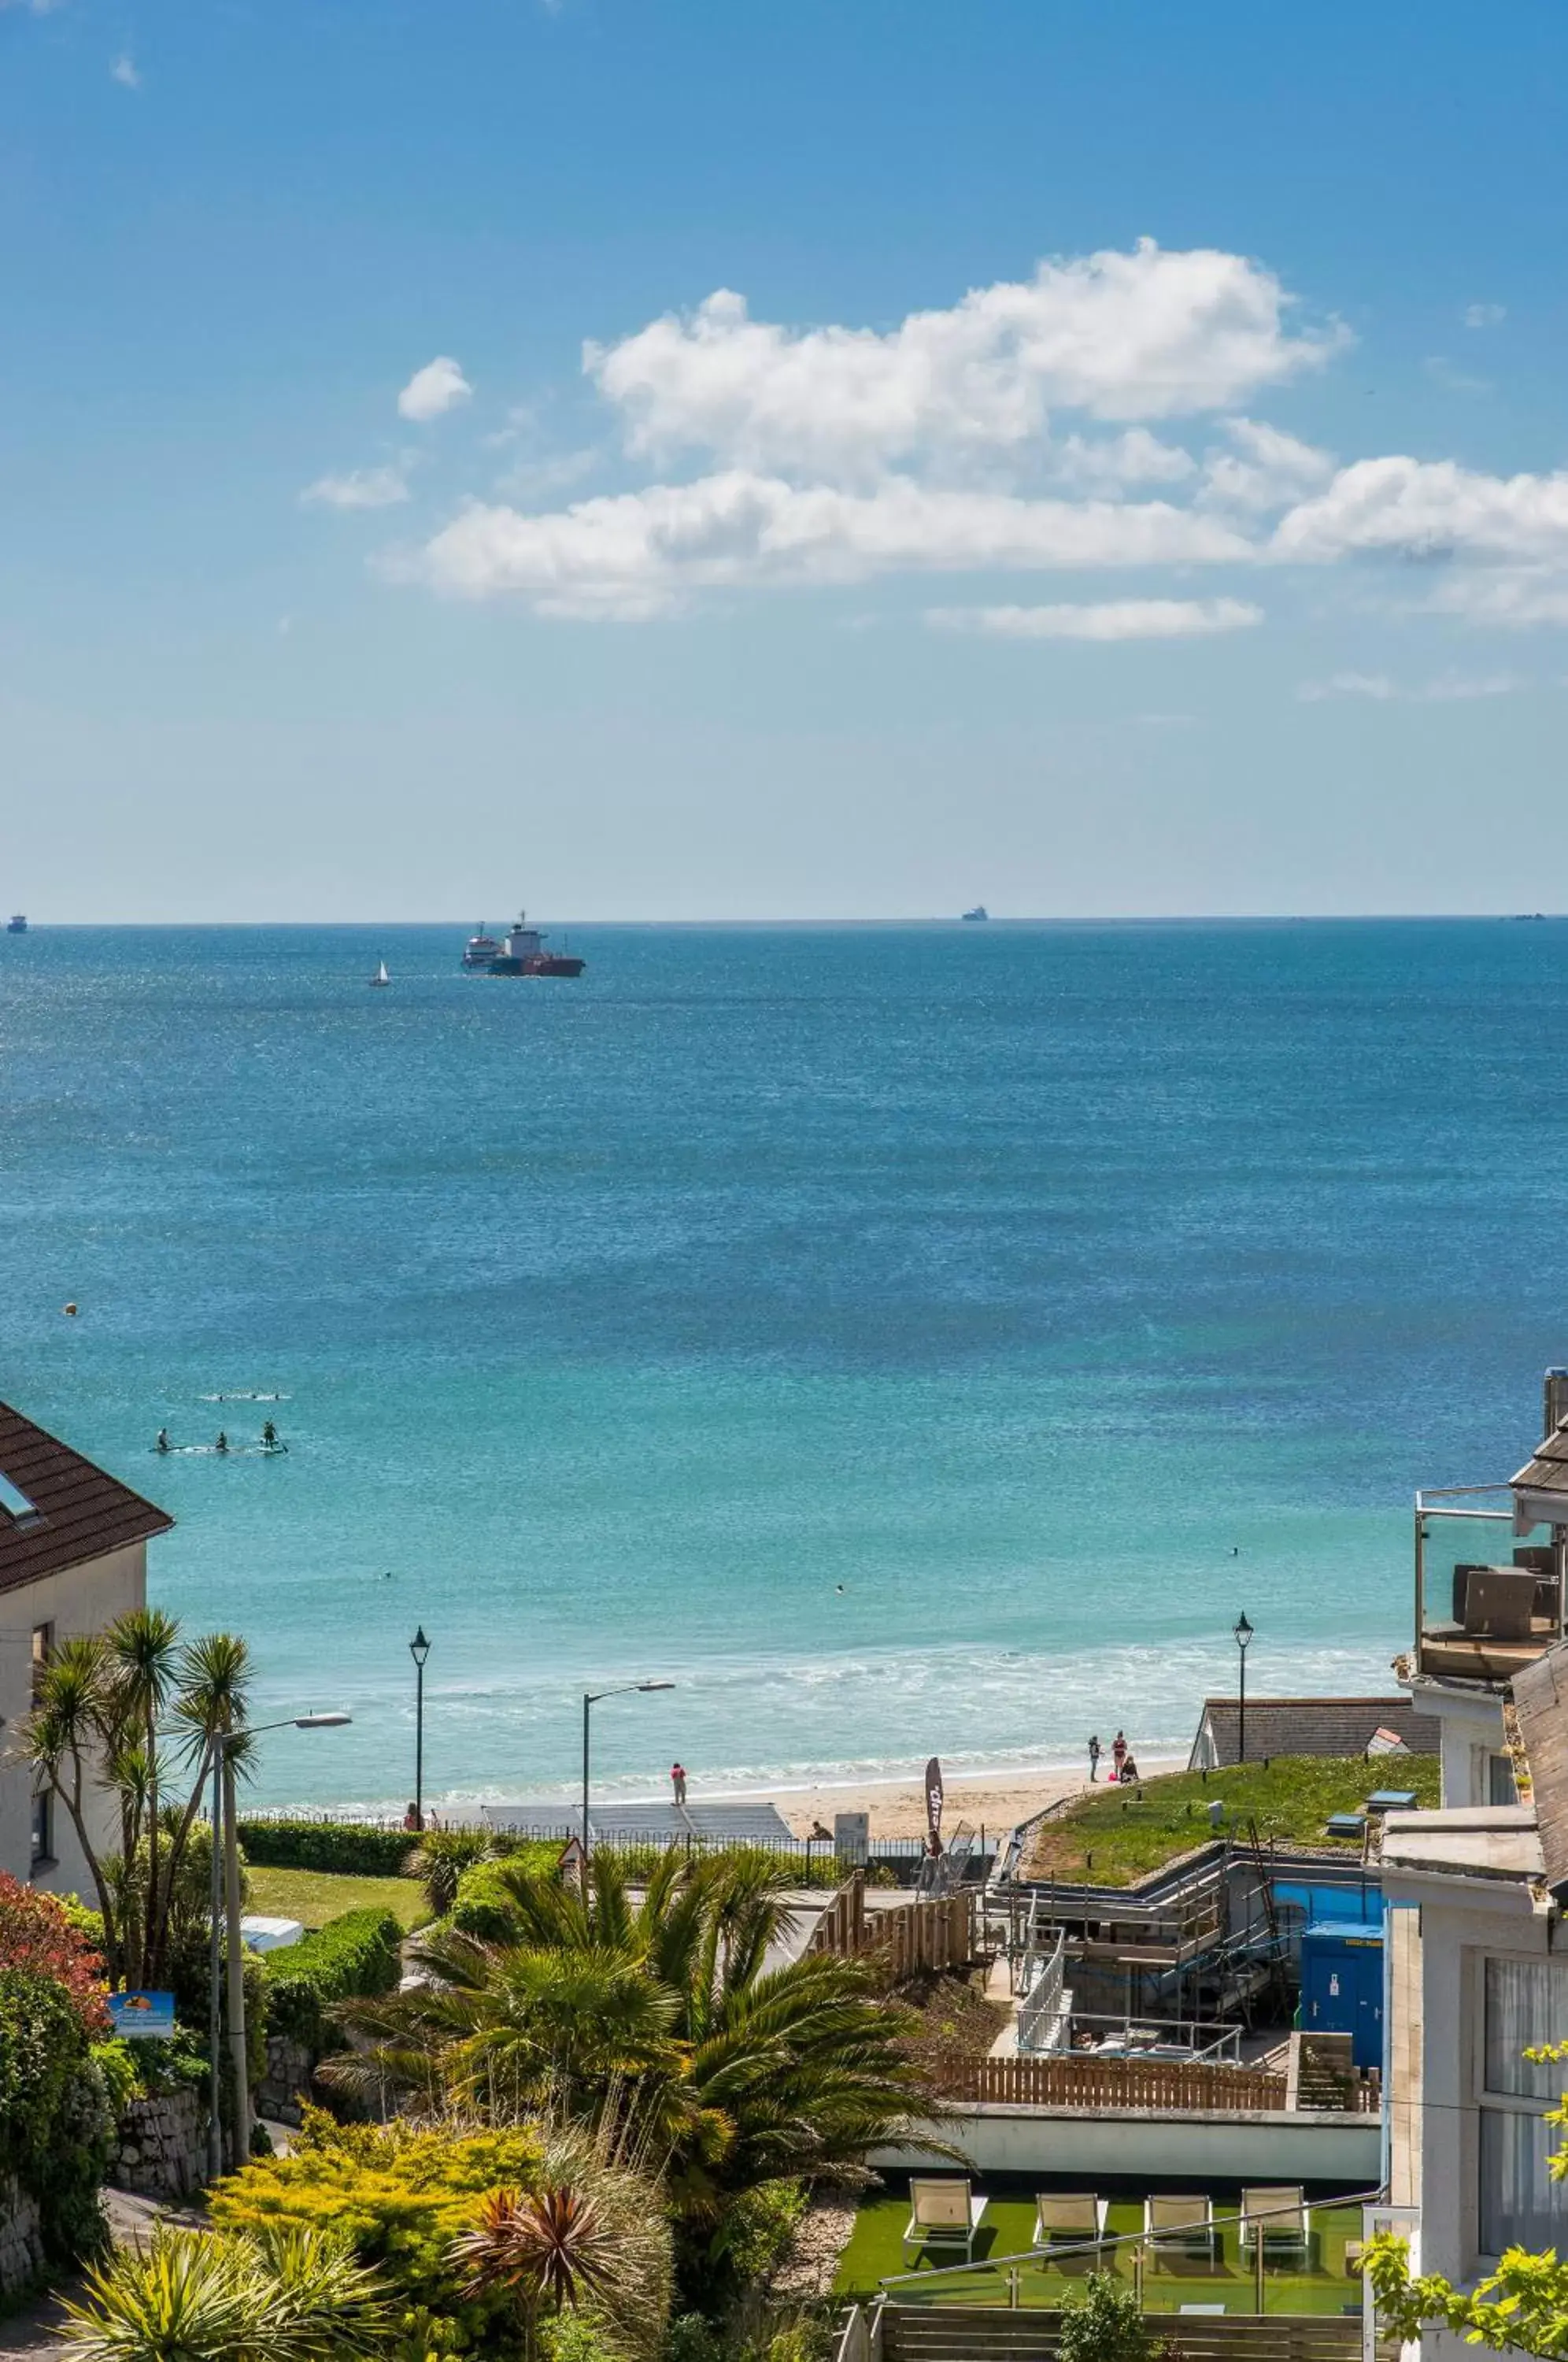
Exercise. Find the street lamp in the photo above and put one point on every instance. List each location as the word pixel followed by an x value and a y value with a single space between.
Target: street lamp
pixel 225 1903
pixel 419 1649
pixel 591 1698
pixel 1241 1634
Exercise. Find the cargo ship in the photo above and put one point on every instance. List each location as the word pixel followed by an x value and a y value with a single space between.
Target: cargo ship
pixel 525 954
pixel 17 924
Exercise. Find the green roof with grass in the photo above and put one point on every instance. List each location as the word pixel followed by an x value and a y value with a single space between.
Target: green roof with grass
pixel 1115 1836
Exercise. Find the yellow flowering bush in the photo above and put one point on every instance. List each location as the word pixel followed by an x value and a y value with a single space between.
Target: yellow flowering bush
pixel 402 2194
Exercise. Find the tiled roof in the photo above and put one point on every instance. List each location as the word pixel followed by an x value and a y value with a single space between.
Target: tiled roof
pixel 59 1510
pixel 1548 1472
pixel 1319 1726
pixel 1540 1710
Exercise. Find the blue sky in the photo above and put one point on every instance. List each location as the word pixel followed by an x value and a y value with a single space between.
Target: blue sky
pixel 651 459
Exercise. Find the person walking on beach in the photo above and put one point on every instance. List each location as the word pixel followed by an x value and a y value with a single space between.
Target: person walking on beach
pixel 678 1781
pixel 1094 1755
pixel 1118 1754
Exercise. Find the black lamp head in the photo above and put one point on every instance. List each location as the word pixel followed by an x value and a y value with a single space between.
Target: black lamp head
pixel 419 1646
pixel 1243 1631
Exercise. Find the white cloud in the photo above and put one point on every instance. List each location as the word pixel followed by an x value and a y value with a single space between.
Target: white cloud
pixel 1399 507
pixel 1441 371
pixel 1512 599
pixel 437 388
pixel 1111 463
pixel 1448 688
pixel 1484 315
pixel 124 70
pixel 1120 337
pixel 1265 470
pixel 362 488
pixel 634 554
pixel 1111 619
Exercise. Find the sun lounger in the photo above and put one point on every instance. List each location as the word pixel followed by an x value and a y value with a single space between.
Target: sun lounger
pixel 945 2213
pixel 1074 2218
pixel 1278 2218
pixel 1180 2225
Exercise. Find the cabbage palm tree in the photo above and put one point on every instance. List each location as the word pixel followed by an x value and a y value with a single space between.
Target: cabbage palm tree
pixel 105 1702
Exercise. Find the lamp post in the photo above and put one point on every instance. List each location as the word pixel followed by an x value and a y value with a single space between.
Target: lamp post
pixel 419 1649
pixel 591 1698
pixel 224 1818
pixel 1241 1634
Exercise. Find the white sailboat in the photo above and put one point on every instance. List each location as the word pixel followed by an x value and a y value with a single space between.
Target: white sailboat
pixel 381 976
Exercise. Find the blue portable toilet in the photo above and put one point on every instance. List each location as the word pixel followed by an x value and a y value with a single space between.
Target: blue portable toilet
pixel 1341 1985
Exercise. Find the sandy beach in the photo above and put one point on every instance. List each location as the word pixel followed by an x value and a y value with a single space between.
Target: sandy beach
pixel 994 1800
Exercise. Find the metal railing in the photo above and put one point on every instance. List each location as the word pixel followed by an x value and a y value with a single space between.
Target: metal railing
pixel 1039 2024
pixel 1140 2244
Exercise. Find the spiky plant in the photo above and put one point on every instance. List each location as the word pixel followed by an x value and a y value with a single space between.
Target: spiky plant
pixel 196 2296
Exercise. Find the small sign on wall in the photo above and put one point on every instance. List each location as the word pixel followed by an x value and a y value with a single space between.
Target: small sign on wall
pixel 142 2016
pixel 852 1838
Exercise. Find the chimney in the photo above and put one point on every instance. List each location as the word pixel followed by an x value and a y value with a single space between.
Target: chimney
pixel 1554 1402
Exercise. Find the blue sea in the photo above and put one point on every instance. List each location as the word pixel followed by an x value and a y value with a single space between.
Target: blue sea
pixel 904 1339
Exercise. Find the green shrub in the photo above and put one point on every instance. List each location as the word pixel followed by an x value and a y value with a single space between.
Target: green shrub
pixel 356 1955
pixel 57 2117
pixel 1103 2321
pixel 121 2069
pixel 357 1848
pixel 399 2196
pixel 759 2228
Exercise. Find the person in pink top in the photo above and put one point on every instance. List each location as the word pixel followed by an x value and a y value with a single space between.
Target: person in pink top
pixel 1118 1754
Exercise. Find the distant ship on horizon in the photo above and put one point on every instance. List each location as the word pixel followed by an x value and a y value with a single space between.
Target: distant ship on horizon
pixel 17 924
pixel 525 954
pixel 979 911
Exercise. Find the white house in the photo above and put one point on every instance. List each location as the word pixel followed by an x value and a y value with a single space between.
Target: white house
pixel 73 1557
pixel 1476 1894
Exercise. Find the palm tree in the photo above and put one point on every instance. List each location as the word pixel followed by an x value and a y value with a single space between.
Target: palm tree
pixel 104 1701
pixel 275 2295
pixel 664 2022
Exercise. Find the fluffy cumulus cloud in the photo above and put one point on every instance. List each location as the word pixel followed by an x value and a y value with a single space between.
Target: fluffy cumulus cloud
pixel 1118 337
pixel 1106 619
pixel 434 389
pixel 1400 507
pixel 1097 416
pixel 361 488
pixel 635 554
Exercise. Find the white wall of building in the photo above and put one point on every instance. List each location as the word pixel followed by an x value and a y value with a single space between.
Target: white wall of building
pixel 1268 2146
pixel 1470 1735
pixel 81 1599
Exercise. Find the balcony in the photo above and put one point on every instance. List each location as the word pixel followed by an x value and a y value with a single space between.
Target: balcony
pixel 1488 1600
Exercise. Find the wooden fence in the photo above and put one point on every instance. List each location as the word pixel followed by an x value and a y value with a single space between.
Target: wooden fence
pixel 950 2333
pixel 1071 2080
pixel 935 1932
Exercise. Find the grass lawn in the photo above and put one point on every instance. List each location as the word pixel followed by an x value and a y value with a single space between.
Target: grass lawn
pixel 1009 2226
pixel 314 1897
pixel 1114 1837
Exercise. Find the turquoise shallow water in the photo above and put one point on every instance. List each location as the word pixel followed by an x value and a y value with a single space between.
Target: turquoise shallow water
pixel 1011 1278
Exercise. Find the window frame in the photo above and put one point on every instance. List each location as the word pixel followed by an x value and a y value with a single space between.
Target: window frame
pixel 1489 2103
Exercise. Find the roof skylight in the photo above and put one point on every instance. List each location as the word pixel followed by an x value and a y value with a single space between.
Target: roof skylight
pixel 14 1502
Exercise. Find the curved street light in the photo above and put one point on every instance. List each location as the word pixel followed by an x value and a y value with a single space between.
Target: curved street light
pixel 591 1698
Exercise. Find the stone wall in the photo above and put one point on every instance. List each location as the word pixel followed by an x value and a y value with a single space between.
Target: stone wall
pixel 21 2247
pixel 163 2146
pixel 287 2082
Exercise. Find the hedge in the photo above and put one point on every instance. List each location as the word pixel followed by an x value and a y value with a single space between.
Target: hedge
pixel 358 1954
pixel 57 2112
pixel 358 1848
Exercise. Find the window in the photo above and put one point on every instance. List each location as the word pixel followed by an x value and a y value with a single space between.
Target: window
pixel 43 1650
pixel 43 1827
pixel 14 1502
pixel 1500 1788
pixel 1526 2006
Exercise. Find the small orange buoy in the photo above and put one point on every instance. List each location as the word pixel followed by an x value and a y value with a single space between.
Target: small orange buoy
pixel 70 1309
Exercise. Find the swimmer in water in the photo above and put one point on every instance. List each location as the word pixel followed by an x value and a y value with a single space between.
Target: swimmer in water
pixel 222 1444
pixel 163 1442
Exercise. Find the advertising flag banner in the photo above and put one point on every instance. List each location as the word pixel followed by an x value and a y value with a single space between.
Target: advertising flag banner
pixel 934 1803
